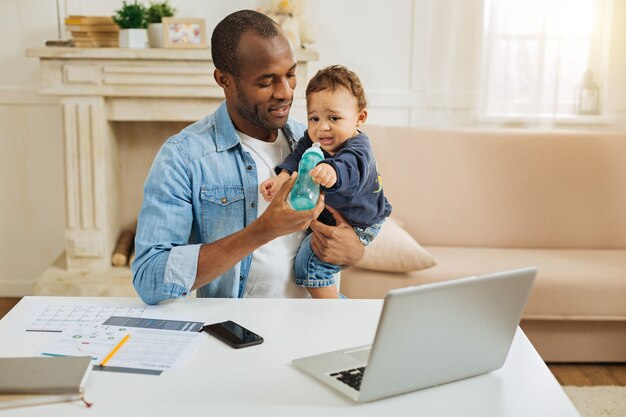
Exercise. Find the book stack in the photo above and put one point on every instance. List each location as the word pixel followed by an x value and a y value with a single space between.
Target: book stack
pixel 42 380
pixel 92 31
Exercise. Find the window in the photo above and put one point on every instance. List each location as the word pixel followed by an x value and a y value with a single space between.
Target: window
pixel 536 53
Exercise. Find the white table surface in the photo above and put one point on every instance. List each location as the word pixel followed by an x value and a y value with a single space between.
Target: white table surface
pixel 260 380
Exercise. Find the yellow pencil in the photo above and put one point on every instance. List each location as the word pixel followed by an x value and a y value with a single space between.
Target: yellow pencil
pixel 115 349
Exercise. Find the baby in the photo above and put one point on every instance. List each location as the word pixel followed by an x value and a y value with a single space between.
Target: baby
pixel 336 108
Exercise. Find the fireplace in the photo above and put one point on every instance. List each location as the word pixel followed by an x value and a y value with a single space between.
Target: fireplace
pixel 118 107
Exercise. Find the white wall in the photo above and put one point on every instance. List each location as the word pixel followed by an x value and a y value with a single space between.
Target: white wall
pixel 31 160
pixel 418 60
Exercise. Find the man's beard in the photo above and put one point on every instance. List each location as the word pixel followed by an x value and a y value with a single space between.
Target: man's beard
pixel 251 113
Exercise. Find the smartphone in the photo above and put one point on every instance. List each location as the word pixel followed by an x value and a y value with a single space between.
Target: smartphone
pixel 233 334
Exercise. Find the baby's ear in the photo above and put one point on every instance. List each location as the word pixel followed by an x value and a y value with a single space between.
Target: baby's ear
pixel 362 117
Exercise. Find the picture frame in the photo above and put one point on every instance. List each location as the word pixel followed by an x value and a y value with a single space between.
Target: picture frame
pixel 184 33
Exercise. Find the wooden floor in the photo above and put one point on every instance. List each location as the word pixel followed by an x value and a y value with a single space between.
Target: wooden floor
pixel 579 374
pixel 567 374
pixel 7 304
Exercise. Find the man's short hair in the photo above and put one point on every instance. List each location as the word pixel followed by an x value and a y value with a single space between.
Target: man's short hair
pixel 336 76
pixel 227 34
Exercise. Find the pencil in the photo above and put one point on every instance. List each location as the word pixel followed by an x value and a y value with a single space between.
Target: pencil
pixel 115 349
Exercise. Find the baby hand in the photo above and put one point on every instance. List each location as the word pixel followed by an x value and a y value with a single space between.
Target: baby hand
pixel 269 188
pixel 324 175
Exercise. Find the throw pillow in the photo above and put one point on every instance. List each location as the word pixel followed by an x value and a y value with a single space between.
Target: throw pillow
pixel 395 250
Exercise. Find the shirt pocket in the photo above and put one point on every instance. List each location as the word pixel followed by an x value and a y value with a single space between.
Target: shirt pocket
pixel 222 211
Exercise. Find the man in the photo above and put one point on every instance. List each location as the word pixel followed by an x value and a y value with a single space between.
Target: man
pixel 202 224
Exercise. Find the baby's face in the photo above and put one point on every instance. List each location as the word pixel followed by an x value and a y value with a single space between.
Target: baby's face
pixel 333 118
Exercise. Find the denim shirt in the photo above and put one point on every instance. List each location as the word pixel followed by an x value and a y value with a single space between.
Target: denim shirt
pixel 202 186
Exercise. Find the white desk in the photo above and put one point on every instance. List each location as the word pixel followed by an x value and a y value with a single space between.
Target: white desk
pixel 260 380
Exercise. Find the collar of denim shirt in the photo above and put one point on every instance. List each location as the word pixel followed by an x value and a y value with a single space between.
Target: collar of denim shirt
pixel 227 137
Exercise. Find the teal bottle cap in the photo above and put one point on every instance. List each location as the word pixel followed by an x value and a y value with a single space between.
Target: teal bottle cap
pixel 316 148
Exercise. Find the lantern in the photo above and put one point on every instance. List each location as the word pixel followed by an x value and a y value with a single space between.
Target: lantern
pixel 588 98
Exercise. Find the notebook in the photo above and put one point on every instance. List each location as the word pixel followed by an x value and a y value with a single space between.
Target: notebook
pixel 429 335
pixel 37 380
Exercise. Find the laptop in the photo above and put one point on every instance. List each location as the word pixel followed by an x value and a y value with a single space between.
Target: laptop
pixel 429 335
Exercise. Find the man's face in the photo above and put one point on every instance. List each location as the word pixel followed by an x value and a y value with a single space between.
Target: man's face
pixel 263 90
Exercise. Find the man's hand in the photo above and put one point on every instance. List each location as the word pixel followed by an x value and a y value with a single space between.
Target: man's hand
pixel 337 245
pixel 279 219
pixel 324 175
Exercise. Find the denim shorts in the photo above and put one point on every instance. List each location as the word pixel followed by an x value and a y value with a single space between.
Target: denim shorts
pixel 312 272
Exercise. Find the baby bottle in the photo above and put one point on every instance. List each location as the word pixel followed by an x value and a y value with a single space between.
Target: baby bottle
pixel 305 192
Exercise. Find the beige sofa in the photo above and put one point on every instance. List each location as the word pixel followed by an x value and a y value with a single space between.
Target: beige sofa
pixel 485 201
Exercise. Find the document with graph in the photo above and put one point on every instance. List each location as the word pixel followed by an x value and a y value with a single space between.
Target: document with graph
pixel 94 341
pixel 127 349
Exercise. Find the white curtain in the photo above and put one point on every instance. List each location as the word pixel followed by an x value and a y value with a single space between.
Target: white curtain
pixel 446 61
pixel 535 55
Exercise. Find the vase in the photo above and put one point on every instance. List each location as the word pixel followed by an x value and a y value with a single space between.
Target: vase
pixel 133 38
pixel 155 35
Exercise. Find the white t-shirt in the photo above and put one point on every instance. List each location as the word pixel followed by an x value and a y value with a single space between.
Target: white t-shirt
pixel 271 272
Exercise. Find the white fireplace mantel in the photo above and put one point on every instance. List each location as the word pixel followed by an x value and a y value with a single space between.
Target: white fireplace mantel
pixel 96 87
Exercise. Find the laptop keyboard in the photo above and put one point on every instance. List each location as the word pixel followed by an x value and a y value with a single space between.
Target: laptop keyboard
pixel 351 377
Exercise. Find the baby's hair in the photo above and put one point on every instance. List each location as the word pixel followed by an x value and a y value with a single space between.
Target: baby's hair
pixel 336 76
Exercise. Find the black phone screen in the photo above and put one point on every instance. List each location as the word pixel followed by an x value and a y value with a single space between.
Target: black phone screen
pixel 233 334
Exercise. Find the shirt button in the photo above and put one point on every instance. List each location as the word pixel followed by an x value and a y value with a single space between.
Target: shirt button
pixel 249 167
pixel 253 205
pixel 184 292
pixel 240 277
pixel 224 200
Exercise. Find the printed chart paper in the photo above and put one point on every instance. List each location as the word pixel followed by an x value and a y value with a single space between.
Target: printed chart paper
pixel 145 349
pixel 94 341
pixel 56 318
pixel 161 350
pixel 149 323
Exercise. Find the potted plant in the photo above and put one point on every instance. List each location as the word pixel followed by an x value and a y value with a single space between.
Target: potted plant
pixel 131 19
pixel 154 14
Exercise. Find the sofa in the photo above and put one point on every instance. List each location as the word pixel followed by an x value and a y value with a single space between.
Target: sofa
pixel 482 201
